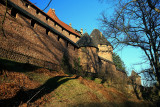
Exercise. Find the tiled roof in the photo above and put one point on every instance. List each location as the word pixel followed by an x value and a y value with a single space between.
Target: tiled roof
pixel 86 41
pixel 99 38
pixel 52 14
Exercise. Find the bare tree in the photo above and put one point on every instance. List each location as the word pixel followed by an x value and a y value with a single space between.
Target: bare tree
pixel 149 78
pixel 47 5
pixel 136 24
pixel 153 5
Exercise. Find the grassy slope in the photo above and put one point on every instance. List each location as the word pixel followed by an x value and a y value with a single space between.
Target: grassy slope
pixel 57 89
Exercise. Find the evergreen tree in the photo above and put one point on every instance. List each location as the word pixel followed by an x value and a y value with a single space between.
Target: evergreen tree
pixel 118 62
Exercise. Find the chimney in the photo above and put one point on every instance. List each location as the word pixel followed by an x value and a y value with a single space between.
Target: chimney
pixel 53 10
pixel 82 31
pixel 70 24
pixel 101 34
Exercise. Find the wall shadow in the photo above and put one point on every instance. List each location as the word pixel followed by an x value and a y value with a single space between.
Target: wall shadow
pixel 16 66
pixel 23 96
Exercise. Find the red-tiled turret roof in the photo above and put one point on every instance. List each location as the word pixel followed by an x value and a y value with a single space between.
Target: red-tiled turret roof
pixel 52 14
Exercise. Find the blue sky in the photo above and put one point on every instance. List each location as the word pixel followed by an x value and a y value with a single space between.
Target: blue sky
pixel 85 14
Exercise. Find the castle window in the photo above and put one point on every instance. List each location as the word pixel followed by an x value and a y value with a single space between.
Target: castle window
pixel 33 22
pixel 27 5
pixel 14 12
pixel 37 11
pixel 47 31
pixel 47 18
pixel 55 24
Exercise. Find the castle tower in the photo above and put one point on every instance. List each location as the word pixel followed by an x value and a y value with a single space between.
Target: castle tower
pixel 88 53
pixel 104 46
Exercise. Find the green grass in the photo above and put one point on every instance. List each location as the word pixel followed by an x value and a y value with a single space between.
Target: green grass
pixel 71 92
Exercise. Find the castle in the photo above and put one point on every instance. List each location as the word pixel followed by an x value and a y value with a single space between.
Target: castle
pixel 29 35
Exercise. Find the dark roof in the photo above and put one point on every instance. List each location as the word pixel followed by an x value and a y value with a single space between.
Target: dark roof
pixel 99 38
pixel 86 41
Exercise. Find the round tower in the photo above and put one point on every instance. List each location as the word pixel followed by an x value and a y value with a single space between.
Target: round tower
pixel 88 53
pixel 104 46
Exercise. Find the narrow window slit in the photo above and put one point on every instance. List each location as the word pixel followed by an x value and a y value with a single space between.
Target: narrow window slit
pixel 66 44
pixel 47 31
pixel 37 11
pixel 33 22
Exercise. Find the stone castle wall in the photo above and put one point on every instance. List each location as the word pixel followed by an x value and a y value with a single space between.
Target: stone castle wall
pixel 116 76
pixel 89 59
pixel 105 52
pixel 30 36
pixel 23 35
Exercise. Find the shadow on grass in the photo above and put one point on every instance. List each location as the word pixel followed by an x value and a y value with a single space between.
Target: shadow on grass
pixel 23 96
pixel 16 66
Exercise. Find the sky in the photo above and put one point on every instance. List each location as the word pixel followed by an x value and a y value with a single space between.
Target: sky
pixel 86 14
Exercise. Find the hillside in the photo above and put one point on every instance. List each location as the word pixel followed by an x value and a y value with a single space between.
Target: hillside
pixel 22 85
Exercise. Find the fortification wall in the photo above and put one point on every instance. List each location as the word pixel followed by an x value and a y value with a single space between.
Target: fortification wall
pixel 122 76
pixel 112 74
pixel 89 59
pixel 35 11
pixel 105 52
pixel 32 38
pixel 28 35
